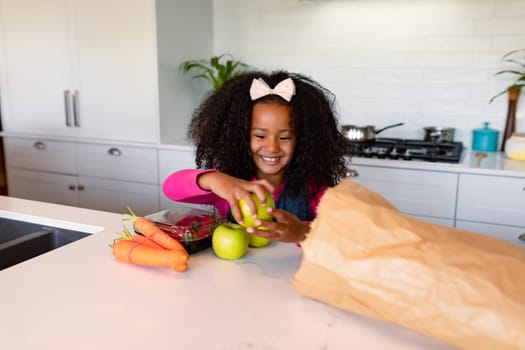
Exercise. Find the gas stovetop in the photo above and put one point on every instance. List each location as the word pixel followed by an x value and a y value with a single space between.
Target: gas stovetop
pixel 402 149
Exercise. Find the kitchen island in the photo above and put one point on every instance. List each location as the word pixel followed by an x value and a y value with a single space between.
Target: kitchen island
pixel 80 297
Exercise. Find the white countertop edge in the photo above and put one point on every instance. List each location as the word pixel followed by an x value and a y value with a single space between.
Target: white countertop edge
pixel 409 164
pixel 495 163
pixel 175 145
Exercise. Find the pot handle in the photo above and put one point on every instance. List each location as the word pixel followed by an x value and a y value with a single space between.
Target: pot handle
pixel 390 126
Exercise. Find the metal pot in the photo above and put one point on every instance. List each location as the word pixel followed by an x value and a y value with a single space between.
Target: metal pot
pixel 363 133
pixel 437 134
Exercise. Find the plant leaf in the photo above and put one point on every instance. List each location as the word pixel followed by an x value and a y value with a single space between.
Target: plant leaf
pixel 215 69
pixel 512 53
pixel 512 87
pixel 519 72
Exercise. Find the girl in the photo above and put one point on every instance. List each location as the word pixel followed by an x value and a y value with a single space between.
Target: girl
pixel 264 133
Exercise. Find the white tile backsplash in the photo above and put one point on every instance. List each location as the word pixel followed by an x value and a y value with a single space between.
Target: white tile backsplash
pixel 508 26
pixel 452 43
pixel 510 9
pixel 429 62
pixel 439 59
pixel 505 43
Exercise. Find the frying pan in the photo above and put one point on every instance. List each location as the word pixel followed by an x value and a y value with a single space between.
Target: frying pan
pixel 363 133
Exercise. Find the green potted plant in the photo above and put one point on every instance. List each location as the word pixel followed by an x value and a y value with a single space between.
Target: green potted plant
pixel 217 70
pixel 518 71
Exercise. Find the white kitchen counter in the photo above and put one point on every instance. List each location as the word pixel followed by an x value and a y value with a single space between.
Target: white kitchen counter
pixel 496 163
pixel 80 297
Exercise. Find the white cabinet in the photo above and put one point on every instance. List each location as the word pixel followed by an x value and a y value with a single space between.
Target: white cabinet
pixel 116 196
pixel 494 205
pixel 44 155
pixel 43 186
pixel 86 192
pixel 101 69
pixel 80 68
pixel 106 177
pixel 78 73
pixel 170 161
pixel 126 163
pixel 426 195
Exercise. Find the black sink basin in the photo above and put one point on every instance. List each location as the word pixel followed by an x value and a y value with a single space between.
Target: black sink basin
pixel 20 240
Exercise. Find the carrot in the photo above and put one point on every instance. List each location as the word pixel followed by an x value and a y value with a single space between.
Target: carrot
pixel 145 241
pixel 139 239
pixel 149 229
pixel 130 252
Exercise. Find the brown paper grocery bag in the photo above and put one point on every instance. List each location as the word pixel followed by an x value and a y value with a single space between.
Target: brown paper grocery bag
pixel 364 256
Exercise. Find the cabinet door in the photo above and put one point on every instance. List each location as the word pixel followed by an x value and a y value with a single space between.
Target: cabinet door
pixel 507 233
pixel 492 199
pixel 172 160
pixel 115 161
pixel 117 86
pixel 115 196
pixel 413 192
pixel 43 186
pixel 103 53
pixel 36 65
pixel 41 155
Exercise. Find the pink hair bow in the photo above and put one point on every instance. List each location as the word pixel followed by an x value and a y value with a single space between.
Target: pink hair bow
pixel 285 89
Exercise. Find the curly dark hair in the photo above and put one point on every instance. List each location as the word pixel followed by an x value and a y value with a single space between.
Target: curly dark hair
pixel 220 128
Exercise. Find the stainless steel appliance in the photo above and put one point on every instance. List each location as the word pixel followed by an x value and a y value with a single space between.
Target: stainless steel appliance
pixel 406 150
pixel 356 133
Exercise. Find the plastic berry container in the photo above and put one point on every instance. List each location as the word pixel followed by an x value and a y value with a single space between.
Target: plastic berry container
pixel 190 224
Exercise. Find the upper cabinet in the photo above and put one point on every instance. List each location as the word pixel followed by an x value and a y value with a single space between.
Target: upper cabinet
pixel 90 68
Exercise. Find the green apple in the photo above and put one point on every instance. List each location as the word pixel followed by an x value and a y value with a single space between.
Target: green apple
pixel 262 214
pixel 230 241
pixel 257 241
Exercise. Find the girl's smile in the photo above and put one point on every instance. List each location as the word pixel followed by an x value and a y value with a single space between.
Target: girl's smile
pixel 272 140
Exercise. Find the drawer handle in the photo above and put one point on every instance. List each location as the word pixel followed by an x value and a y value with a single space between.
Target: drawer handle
pixel 67 105
pixel 72 187
pixel 39 145
pixel 81 187
pixel 115 152
pixel 522 237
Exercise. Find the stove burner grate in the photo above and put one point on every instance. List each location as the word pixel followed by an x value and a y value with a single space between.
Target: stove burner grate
pixel 403 149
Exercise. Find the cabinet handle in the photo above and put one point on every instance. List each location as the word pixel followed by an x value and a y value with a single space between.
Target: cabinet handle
pixel 67 105
pixel 72 187
pixel 115 152
pixel 351 173
pixel 39 145
pixel 522 237
pixel 76 111
pixel 81 187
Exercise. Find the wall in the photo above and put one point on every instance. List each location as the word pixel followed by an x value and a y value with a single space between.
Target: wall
pixel 189 24
pixel 429 62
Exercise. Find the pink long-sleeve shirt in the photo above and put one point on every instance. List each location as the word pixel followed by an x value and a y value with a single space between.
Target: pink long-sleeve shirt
pixel 182 186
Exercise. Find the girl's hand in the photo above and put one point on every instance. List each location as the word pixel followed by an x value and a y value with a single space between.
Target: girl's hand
pixel 287 228
pixel 233 189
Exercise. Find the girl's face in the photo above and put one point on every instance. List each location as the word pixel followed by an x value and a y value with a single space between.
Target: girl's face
pixel 272 140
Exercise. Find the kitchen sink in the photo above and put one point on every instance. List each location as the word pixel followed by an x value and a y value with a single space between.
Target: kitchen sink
pixel 20 240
